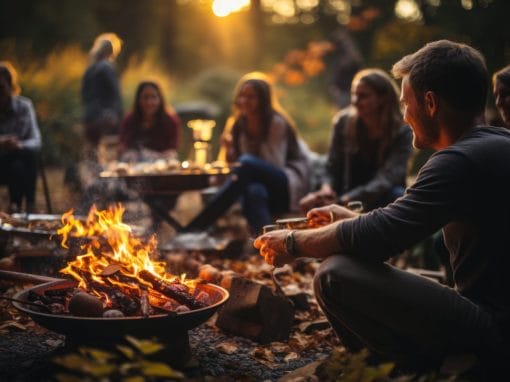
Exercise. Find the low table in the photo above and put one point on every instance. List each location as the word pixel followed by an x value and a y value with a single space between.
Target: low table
pixel 153 187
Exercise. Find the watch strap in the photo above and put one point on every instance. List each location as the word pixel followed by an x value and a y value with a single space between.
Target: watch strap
pixel 290 244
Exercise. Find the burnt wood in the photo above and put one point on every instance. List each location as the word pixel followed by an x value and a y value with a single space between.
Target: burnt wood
pixel 172 291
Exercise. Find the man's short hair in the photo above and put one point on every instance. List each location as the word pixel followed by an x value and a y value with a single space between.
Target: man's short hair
pixel 454 71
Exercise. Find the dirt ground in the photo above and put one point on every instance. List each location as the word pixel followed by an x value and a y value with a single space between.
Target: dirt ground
pixel 27 350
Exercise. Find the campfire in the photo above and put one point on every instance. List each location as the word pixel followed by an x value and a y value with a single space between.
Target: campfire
pixel 115 273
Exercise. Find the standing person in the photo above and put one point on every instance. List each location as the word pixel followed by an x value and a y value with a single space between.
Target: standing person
pixel 20 141
pixel 151 130
pixel 273 172
pixel 100 90
pixel 369 149
pixel 396 314
pixel 501 90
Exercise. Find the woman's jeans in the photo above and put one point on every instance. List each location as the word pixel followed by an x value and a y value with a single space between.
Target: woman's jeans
pixel 262 187
pixel 401 316
pixel 19 172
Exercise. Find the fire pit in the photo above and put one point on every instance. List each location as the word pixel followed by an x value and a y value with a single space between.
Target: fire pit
pixel 118 289
pixel 170 329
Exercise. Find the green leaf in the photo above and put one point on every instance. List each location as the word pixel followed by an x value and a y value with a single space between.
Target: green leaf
pixel 158 369
pixel 125 368
pixel 126 351
pixel 374 373
pixel 76 362
pixel 97 354
pixel 99 370
pixel 71 361
pixel 144 346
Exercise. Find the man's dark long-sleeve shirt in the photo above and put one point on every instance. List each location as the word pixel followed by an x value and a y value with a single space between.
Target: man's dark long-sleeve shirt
pixel 465 190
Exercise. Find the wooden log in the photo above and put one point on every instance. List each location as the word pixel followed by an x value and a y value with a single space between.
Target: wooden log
pixel 144 303
pixel 172 291
pixel 254 311
pixel 120 300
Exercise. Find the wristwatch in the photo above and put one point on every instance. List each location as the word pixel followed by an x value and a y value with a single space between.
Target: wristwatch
pixel 290 244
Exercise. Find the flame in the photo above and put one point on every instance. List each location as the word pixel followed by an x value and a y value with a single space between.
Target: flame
pixel 110 254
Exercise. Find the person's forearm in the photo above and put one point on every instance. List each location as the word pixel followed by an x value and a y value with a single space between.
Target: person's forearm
pixel 317 243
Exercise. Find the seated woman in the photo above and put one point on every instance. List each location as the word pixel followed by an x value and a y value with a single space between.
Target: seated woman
pixel 151 130
pixel 501 91
pixel 273 172
pixel 369 149
pixel 20 141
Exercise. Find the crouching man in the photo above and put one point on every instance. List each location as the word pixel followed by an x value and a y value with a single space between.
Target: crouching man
pixel 463 189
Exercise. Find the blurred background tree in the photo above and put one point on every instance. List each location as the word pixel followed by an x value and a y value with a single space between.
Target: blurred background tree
pixel 197 50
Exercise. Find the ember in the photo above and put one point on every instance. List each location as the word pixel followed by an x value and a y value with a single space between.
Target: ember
pixel 114 269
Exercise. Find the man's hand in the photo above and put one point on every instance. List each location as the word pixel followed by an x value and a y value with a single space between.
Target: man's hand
pixel 317 199
pixel 329 214
pixel 317 243
pixel 272 248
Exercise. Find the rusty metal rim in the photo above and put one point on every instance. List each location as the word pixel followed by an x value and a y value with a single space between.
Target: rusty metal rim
pixel 23 294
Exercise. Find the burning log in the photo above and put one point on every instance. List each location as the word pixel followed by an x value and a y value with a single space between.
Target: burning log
pixel 171 291
pixel 144 303
pixel 120 300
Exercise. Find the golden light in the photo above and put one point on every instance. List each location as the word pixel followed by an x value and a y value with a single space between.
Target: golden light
pixel 408 10
pixel 222 8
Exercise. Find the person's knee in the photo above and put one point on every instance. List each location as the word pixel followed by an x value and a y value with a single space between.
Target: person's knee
pixel 248 163
pixel 256 191
pixel 248 159
pixel 334 277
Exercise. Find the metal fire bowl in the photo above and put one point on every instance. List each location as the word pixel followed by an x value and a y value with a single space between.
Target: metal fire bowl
pixel 86 329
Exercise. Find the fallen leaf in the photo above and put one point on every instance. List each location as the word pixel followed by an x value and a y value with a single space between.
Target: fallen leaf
pixel 227 347
pixel 13 325
pixel 126 351
pixel 291 357
pixel 263 353
pixel 264 356
pixel 54 343
pixel 144 346
pixel 97 354
pixel 158 369
pixel 279 347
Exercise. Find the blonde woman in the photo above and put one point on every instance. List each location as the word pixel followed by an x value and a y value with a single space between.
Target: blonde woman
pixel 274 169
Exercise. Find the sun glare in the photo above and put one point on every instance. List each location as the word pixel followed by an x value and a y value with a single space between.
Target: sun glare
pixel 408 10
pixel 222 8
